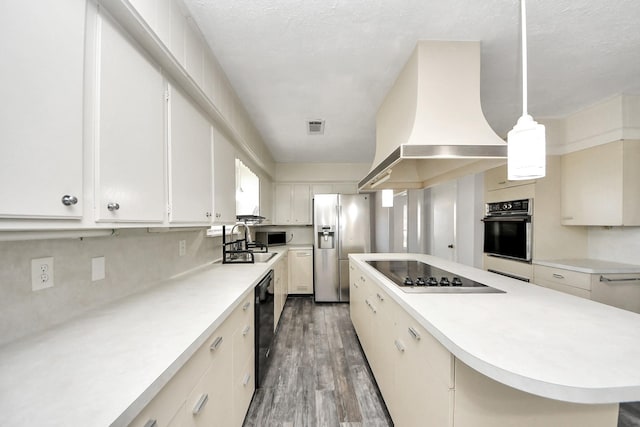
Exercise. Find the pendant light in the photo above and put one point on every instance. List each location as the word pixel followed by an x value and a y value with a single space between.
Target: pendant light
pixel 387 198
pixel 526 141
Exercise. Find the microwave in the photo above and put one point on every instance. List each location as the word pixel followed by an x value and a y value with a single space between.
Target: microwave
pixel 271 238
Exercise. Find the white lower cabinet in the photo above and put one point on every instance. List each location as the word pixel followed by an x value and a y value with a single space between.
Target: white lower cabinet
pixel 423 384
pixel 301 271
pixel 423 376
pixel 206 391
pixel 280 288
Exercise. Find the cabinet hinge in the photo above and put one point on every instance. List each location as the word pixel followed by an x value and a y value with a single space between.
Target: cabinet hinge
pixel 166 95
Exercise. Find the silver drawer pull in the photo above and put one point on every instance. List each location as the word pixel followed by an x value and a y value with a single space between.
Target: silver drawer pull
pixel 379 297
pixel 246 379
pixel 246 330
pixel 362 278
pixel 113 206
pixel 151 423
pixel 351 267
pixel 626 279
pixel 414 333
pixel 355 284
pixel 246 306
pixel 399 346
pixel 201 402
pixel 216 344
pixel 558 276
pixel 68 200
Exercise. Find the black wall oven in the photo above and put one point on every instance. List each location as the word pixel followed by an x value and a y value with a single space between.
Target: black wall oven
pixel 507 229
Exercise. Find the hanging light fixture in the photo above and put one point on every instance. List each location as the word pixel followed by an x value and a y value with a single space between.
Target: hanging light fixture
pixel 526 141
pixel 387 198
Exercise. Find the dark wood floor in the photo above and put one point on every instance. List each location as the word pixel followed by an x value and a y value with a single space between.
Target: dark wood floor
pixel 318 375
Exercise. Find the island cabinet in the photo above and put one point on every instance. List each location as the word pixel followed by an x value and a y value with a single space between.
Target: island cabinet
pixel 424 384
pixel 214 387
pixel 601 185
pixel 301 271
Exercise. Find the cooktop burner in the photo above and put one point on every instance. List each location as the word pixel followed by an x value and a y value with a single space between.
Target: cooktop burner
pixel 418 277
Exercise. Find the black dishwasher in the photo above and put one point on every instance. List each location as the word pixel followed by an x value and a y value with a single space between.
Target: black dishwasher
pixel 263 325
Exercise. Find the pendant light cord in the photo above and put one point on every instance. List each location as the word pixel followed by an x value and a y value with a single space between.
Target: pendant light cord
pixel 523 12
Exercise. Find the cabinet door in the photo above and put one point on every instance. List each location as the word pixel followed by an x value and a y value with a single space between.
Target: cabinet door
pixel 301 272
pixel 301 204
pixel 283 204
pixel 190 160
pixel 224 180
pixel 496 179
pixel 130 137
pixel 42 92
pixel 423 376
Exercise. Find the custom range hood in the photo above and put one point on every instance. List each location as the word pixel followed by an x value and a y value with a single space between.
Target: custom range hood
pixel 430 126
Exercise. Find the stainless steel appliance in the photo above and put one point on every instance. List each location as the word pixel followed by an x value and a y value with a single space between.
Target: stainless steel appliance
pixel 341 225
pixel 418 277
pixel 508 229
pixel 263 324
pixel 271 238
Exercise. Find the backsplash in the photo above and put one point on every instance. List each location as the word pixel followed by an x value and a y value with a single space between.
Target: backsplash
pixel 617 244
pixel 134 260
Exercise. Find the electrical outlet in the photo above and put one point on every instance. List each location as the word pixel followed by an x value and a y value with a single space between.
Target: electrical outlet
pixel 97 268
pixel 182 247
pixel 41 273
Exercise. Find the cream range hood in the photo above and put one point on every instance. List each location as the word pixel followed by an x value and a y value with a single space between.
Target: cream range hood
pixel 430 127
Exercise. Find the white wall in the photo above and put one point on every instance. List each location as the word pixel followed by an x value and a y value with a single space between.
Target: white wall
pixel 320 172
pixel 135 260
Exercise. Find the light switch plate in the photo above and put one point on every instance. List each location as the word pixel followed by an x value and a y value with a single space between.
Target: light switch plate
pixel 97 268
pixel 41 273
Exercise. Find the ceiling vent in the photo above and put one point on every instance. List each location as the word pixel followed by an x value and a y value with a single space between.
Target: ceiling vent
pixel 315 127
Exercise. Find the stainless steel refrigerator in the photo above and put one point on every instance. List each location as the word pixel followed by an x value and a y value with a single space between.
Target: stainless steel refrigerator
pixel 341 225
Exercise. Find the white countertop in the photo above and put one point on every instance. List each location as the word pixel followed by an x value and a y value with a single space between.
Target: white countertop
pixel 531 338
pixel 590 266
pixel 103 367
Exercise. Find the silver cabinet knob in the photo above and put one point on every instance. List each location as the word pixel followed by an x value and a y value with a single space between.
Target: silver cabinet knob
pixel 68 200
pixel 113 206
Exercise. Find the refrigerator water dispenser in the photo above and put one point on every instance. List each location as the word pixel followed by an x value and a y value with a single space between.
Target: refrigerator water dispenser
pixel 325 238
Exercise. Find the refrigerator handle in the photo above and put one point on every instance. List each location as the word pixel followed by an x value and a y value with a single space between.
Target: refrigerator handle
pixel 338 229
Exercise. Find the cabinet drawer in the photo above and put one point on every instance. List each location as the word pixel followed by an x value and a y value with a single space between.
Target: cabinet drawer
pixel 572 290
pixel 562 277
pixel 243 342
pixel 166 403
pixel 243 388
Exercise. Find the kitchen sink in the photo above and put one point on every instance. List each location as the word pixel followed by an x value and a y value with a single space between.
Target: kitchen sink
pixel 263 256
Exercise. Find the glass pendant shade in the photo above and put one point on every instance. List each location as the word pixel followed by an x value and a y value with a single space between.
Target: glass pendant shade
pixel 526 153
pixel 387 198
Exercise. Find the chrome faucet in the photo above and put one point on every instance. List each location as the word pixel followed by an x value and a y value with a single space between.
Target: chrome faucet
pixel 247 234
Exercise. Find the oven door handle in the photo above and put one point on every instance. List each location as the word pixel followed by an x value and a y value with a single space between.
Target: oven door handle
pixel 526 218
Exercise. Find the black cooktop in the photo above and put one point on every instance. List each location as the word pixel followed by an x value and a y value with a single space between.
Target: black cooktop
pixel 419 277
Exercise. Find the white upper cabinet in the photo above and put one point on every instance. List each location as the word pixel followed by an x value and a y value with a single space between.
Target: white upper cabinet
pixel 601 185
pixel 224 180
pixel 41 121
pixel 292 204
pixel 129 150
pixel 190 159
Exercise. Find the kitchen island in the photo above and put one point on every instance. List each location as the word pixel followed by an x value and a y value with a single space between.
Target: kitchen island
pixel 529 356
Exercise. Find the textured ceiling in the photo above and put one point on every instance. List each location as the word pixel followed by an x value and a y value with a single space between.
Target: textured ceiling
pixel 295 60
